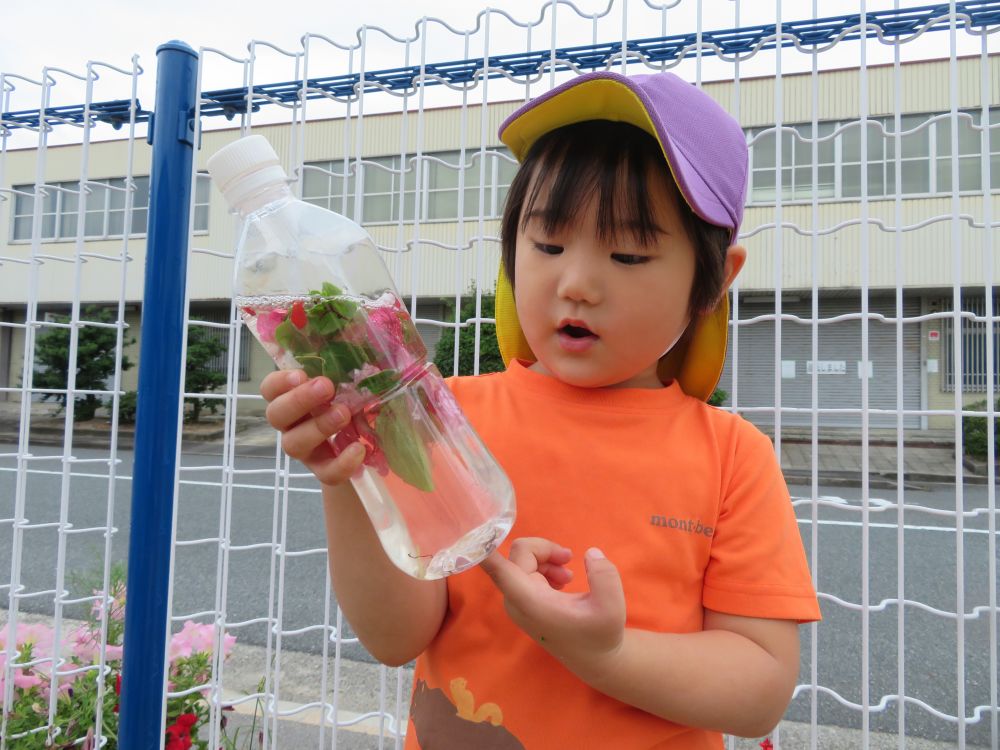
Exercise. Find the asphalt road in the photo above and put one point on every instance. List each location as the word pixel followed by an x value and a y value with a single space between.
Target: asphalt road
pixel 855 550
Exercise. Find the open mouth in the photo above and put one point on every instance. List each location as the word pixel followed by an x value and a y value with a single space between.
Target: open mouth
pixel 576 332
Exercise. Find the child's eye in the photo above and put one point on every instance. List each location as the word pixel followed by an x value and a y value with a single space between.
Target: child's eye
pixel 548 249
pixel 630 260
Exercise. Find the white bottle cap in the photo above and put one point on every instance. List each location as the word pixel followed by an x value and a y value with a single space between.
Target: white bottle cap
pixel 244 168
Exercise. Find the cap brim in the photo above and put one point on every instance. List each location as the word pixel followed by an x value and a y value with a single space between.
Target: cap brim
pixel 617 98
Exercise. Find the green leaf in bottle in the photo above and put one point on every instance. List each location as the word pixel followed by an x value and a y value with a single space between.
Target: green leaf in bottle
pixel 403 447
pixel 328 290
pixel 312 364
pixel 330 316
pixel 292 339
pixel 381 382
pixel 340 359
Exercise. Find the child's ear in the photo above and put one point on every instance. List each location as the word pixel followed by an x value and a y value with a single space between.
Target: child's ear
pixel 736 256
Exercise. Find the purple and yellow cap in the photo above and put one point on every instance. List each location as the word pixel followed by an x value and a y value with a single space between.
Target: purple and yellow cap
pixel 706 151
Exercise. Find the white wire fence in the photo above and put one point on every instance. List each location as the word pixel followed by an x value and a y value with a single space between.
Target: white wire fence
pixel 875 166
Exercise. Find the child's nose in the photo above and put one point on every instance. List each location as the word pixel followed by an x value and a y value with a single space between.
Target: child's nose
pixel 579 282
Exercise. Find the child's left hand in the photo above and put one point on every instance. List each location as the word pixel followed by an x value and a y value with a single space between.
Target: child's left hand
pixel 585 631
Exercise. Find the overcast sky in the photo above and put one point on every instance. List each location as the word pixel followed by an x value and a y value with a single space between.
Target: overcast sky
pixel 67 33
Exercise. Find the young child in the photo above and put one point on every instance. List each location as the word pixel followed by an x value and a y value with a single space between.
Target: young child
pixel 618 248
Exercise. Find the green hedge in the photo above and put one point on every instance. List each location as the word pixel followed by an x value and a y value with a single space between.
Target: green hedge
pixel 974 435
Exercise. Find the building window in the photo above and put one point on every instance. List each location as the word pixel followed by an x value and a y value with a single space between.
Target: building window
pixel 104 214
pixel 796 163
pixel 924 158
pixel 974 332
pixel 389 189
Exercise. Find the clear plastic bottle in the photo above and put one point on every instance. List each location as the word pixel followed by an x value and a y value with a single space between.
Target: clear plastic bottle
pixel 314 291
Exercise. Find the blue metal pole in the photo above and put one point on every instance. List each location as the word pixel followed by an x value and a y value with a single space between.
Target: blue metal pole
pixel 162 340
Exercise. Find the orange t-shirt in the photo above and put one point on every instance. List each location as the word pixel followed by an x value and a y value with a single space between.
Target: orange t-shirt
pixel 688 502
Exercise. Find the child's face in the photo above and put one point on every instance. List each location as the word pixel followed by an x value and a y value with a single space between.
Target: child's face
pixel 631 298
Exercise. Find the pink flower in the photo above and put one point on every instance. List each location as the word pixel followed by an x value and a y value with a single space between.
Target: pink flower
pixel 39 636
pixel 26 679
pixel 388 332
pixel 351 396
pixel 366 371
pixel 84 644
pixel 267 322
pixel 382 323
pixel 115 607
pixel 196 638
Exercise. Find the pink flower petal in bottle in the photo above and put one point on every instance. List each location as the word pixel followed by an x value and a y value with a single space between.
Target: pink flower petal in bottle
pixel 385 322
pixel 267 322
pixel 444 404
pixel 351 396
pixel 359 431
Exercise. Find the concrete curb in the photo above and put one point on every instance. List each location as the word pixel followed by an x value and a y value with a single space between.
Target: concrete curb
pixel 89 435
pixel 877 479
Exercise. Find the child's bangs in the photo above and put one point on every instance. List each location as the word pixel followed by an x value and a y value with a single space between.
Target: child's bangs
pixel 593 161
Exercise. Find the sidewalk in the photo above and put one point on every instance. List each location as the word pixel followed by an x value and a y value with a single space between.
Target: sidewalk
pixel 928 455
pixel 364 688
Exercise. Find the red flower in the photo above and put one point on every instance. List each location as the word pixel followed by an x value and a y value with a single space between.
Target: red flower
pixel 118 688
pixel 179 733
pixel 766 744
pixel 298 315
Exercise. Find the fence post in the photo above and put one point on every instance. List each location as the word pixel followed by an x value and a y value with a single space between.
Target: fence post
pixel 162 343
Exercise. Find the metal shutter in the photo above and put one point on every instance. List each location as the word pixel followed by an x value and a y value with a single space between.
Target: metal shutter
pixel 840 346
pixel 431 309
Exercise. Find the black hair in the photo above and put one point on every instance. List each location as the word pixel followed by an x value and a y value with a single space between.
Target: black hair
pixel 616 160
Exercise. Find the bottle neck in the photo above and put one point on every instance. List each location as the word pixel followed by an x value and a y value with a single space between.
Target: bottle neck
pixel 257 200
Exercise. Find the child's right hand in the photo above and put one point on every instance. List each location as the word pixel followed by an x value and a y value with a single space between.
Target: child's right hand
pixel 300 409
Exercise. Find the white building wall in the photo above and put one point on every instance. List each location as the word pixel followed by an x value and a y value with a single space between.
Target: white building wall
pixel 927 252
pixel 426 269
pixel 924 87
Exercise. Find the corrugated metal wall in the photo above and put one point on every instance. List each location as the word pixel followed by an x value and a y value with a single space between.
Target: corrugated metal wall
pixel 839 383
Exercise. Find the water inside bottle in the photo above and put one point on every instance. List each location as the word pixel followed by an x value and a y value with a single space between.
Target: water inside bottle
pixel 435 534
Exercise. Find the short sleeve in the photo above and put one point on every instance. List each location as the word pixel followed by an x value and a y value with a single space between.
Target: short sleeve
pixel 757 566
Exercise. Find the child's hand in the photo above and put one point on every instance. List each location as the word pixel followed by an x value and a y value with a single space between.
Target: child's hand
pixel 302 411
pixel 584 631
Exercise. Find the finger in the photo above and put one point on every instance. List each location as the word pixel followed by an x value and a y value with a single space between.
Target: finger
pixel 528 553
pixel 280 381
pixel 604 581
pixel 557 575
pixel 290 407
pixel 491 563
pixel 332 470
pixel 300 440
pixel 508 577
